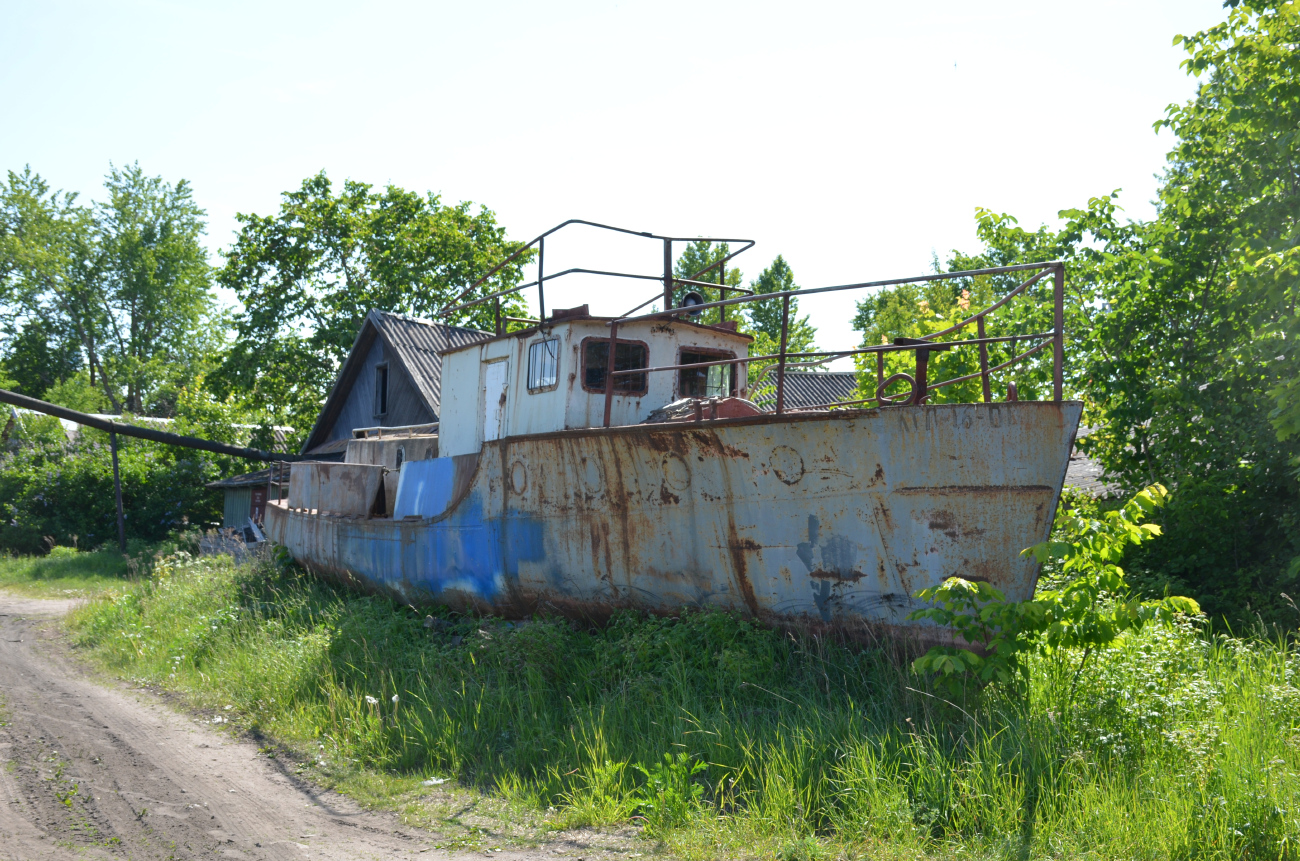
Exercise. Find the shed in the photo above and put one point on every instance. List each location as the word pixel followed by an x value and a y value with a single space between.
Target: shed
pixel 392 377
pixel 245 498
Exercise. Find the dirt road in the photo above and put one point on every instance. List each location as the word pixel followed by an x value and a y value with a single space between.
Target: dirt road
pixel 89 771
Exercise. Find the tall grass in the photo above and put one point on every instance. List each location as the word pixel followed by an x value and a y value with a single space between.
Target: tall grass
pixel 1176 745
pixel 64 573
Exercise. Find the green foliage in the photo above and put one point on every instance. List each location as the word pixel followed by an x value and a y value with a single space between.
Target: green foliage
pixel 53 491
pixel 64 572
pixel 691 264
pixel 121 288
pixel 670 794
pixel 1179 329
pixel 765 317
pixel 308 275
pixel 1233 186
pixel 78 393
pixel 1177 745
pixel 1088 611
pixel 39 357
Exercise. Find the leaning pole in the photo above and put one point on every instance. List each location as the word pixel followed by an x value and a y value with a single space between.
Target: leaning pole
pixel 114 428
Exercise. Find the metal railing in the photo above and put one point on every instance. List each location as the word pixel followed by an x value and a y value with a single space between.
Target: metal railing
pixel 921 347
pixel 920 387
pixel 669 281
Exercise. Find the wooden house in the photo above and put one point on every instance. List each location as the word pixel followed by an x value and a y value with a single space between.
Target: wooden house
pixel 391 379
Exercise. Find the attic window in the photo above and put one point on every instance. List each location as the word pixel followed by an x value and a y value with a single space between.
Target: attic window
pixel 381 390
pixel 543 363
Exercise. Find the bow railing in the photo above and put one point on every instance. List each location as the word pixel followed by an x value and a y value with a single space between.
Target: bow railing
pixel 919 385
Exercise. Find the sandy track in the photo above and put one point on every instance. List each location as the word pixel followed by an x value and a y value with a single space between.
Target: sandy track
pixel 97 772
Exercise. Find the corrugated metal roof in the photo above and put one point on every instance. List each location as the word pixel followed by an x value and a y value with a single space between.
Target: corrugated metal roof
pixel 248 479
pixel 417 343
pixel 1086 474
pixel 809 388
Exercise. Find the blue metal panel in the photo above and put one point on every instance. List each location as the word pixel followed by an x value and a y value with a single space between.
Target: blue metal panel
pixel 424 488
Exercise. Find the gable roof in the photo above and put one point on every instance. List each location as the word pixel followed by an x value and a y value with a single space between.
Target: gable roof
pixel 412 344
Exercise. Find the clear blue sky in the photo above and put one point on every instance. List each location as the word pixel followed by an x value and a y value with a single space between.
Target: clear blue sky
pixel 854 138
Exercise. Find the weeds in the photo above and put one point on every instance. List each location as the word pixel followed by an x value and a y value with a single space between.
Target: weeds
pixel 65 572
pixel 731 739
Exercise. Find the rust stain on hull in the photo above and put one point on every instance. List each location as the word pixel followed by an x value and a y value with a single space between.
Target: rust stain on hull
pixel 828 521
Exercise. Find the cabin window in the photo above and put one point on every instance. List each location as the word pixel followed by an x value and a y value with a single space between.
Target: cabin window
pixel 543 363
pixel 715 381
pixel 381 390
pixel 628 356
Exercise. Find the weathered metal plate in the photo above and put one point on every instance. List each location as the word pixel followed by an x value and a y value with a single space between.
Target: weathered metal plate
pixel 338 488
pixel 831 519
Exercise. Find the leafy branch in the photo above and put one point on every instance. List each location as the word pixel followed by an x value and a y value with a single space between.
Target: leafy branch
pixel 1087 613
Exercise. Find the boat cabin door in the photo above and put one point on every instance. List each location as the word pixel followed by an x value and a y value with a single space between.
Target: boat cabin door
pixel 496 378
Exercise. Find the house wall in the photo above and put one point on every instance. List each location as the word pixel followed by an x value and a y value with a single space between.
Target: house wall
pixel 239 501
pixel 358 411
pixel 568 404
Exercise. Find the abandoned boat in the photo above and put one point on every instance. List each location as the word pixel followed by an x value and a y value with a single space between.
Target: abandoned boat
pixel 583 464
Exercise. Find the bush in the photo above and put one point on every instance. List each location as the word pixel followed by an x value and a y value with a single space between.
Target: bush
pixel 55 492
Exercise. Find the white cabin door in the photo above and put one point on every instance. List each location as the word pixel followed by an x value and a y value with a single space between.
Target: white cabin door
pixel 495 379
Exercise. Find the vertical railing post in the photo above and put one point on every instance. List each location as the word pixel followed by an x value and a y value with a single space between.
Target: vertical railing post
pixel 117 493
pixel 498 329
pixel 922 376
pixel 541 287
pixel 722 292
pixel 1058 339
pixel 668 275
pixel 780 367
pixel 609 371
pixel 880 374
pixel 984 360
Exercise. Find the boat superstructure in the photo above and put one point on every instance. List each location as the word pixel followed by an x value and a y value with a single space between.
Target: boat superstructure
pixel 583 464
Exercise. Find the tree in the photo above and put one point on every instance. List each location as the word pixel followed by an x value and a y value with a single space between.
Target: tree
pixel 45 260
pixel 697 257
pixel 1234 183
pixel 1182 329
pixel 158 327
pixel 308 275
pixel 124 283
pixel 39 356
pixel 765 316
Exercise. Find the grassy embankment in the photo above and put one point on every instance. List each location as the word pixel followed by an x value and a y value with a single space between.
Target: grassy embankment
pixel 1176 745
pixel 64 573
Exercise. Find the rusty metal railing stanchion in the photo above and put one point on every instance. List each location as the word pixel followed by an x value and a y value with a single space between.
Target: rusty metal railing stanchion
pixel 668 274
pixel 880 374
pixel 780 367
pixel 1058 341
pixel 498 329
pixel 609 371
pixel 984 361
pixel 541 285
pixel 922 374
pixel 722 292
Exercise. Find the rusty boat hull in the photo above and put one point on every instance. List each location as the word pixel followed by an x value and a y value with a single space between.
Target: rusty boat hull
pixel 827 520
